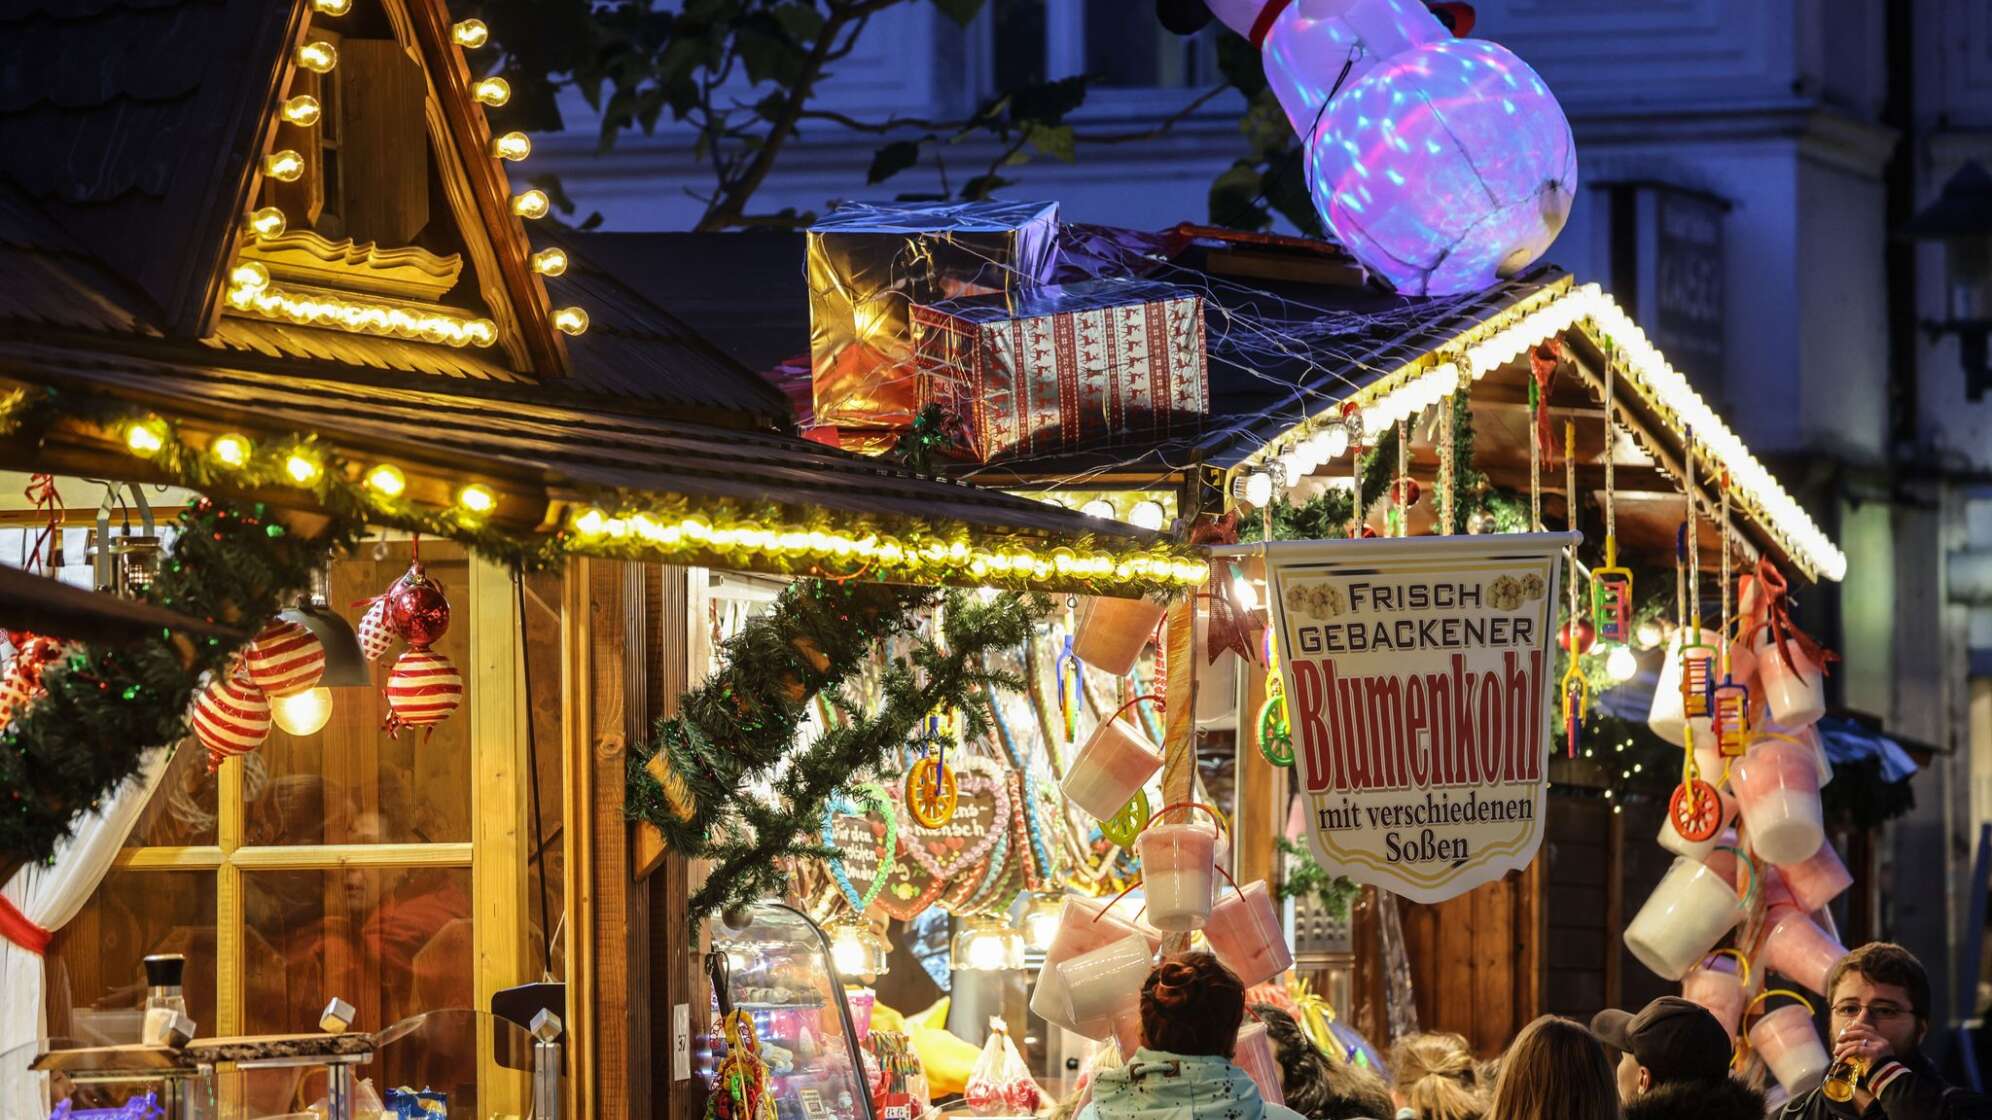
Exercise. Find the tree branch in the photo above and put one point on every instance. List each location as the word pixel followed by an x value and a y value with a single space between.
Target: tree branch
pixel 893 124
pixel 1161 127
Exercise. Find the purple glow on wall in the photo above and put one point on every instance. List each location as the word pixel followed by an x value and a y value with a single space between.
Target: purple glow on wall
pixel 1444 168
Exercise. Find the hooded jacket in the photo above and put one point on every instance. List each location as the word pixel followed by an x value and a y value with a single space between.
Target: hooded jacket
pixel 1727 1099
pixel 1154 1085
pixel 1905 1089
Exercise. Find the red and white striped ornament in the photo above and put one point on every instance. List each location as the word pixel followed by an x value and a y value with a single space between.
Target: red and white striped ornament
pixel 231 717
pixel 285 658
pixel 376 635
pixel 423 690
pixel 22 684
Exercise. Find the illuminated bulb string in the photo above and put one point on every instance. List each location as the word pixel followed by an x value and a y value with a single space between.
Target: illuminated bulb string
pixel 386 320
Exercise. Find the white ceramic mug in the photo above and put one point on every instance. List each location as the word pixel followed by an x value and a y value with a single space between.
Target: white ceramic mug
pixel 1110 769
pixel 1245 933
pixel 1103 985
pixel 1178 867
pixel 1791 1047
pixel 1777 787
pixel 1683 918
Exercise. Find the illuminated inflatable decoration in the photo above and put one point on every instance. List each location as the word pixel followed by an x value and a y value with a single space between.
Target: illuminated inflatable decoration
pixel 1441 164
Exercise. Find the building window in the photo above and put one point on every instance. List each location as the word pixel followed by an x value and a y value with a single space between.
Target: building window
pixel 1121 45
pixel 389 872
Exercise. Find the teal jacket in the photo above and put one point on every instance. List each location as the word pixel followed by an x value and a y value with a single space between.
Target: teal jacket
pixel 1158 1086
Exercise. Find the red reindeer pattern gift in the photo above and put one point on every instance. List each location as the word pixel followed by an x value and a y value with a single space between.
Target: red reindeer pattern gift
pixel 1064 364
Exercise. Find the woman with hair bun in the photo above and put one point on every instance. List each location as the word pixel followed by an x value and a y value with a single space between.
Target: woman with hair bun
pixel 1191 1009
pixel 1436 1078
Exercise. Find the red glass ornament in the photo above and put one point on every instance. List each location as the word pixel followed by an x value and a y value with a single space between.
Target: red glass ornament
pixel 417 609
pixel 1587 637
pixel 1405 492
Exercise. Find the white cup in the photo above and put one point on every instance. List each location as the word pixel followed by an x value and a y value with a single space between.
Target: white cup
pixel 1178 869
pixel 1103 986
pixel 1683 919
pixel 1777 785
pixel 1111 768
pixel 1790 1046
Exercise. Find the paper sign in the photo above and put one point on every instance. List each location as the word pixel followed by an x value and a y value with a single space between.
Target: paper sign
pixel 1417 674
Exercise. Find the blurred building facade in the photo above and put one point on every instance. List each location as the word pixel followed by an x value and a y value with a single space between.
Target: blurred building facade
pixel 1745 169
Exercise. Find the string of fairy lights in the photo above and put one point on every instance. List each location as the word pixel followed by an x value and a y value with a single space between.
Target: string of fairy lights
pixel 251 290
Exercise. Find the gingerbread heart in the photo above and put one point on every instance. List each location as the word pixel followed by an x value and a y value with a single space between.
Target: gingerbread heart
pixel 851 837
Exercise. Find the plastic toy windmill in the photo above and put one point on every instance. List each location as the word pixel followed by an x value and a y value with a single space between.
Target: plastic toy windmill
pixel 1275 732
pixel 1729 701
pixel 1695 810
pixel 1611 585
pixel 932 789
pixel 1576 690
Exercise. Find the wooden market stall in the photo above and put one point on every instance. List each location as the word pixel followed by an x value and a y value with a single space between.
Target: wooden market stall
pixel 268 259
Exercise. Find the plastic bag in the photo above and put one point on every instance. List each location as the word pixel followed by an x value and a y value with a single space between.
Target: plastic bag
pixel 1000 1083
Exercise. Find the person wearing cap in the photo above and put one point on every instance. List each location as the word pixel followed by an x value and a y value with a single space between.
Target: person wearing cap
pixel 1674 1062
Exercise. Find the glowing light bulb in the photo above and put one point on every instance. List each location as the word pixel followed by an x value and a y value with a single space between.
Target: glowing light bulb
pixel 268 222
pixel 285 166
pixel 302 110
pixel 230 450
pixel 1243 592
pixel 318 56
pixel 302 468
pixel 847 952
pixel 250 275
pixel 1621 665
pixel 1098 507
pixel 387 480
pixel 477 499
pixel 1334 441
pixel 572 320
pixel 591 523
pixel 302 713
pixel 1040 923
pixel 985 952
pixel 331 7
pixel 470 34
pixel 146 437
pixel 514 146
pixel 1259 488
pixel 531 204
pixel 492 91
pixel 550 262
pixel 1148 515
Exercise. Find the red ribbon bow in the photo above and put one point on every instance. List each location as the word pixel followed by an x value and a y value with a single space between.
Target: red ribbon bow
pixel 1232 627
pixel 1542 367
pixel 1772 611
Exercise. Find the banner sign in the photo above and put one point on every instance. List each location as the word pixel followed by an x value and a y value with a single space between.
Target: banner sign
pixel 1417 673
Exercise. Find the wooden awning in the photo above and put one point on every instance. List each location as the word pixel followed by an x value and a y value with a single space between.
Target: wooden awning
pixel 588 479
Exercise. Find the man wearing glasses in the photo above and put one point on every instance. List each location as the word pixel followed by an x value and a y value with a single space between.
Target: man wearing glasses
pixel 1880 1013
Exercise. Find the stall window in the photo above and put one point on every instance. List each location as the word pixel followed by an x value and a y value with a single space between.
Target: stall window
pixel 388 871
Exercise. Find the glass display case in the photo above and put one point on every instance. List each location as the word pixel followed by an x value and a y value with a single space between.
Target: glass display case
pixel 777 968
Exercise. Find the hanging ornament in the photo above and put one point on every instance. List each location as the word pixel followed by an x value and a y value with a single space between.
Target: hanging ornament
pixel 1275 731
pixel 423 690
pixel 285 658
pixel 932 789
pixel 1576 634
pixel 1585 637
pixel 231 717
pixel 1611 585
pixel 1695 810
pixel 1071 673
pixel 417 609
pixel 375 633
pixel 1127 823
pixel 1729 700
pixel 22 684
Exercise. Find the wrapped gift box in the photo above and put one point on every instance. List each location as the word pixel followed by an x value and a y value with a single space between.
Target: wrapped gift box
pixel 1060 364
pixel 870 264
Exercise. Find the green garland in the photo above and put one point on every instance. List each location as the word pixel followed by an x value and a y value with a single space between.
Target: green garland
pixel 744 719
pixel 106 706
pixel 1306 878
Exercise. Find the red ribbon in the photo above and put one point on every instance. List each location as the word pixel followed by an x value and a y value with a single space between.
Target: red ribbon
pixel 1542 367
pixel 1773 613
pixel 15 927
pixel 1262 26
pixel 1232 627
pixel 42 494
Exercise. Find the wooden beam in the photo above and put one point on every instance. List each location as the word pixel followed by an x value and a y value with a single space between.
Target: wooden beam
pixel 498 806
pixel 578 784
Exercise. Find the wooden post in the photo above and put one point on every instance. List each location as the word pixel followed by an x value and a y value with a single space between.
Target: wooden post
pixel 1260 817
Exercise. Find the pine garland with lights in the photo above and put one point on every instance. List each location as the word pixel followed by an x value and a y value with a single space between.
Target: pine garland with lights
pixel 105 706
pixel 744 719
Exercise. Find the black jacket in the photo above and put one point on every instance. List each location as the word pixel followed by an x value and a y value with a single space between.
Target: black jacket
pixel 1728 1099
pixel 1910 1090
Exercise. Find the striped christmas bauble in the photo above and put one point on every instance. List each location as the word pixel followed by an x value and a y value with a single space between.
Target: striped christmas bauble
pixel 376 636
pixel 231 717
pixel 285 658
pixel 423 689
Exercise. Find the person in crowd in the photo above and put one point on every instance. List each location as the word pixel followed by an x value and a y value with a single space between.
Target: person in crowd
pixel 1191 1008
pixel 1316 1087
pixel 1879 998
pixel 1674 1062
pixel 1555 1070
pixel 1435 1078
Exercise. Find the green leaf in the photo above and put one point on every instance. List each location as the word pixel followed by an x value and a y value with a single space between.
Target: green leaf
pixel 982 186
pixel 891 159
pixel 802 21
pixel 770 107
pixel 961 11
pixel 1056 141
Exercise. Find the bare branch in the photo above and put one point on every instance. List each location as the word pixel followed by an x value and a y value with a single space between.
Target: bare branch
pixel 1161 128
pixel 893 124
